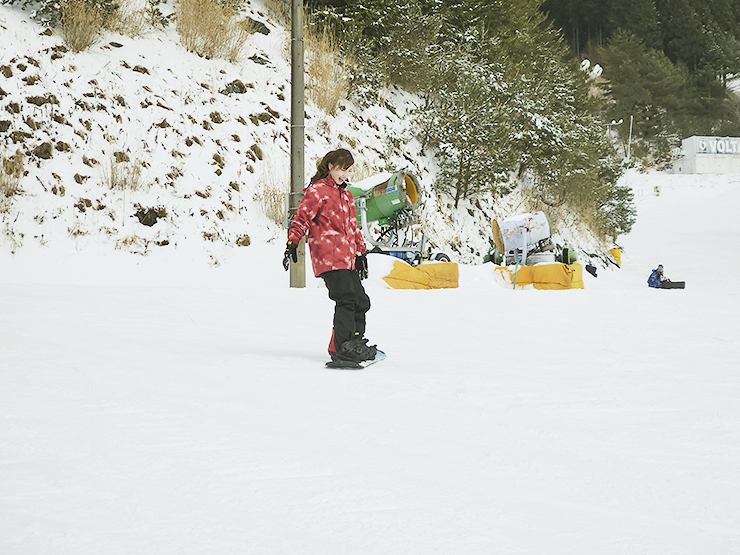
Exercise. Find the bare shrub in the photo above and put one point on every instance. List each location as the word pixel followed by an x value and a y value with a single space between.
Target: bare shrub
pixel 211 30
pixel 81 24
pixel 327 74
pixel 10 179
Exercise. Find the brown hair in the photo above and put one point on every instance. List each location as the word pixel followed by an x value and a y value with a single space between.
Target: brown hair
pixel 340 157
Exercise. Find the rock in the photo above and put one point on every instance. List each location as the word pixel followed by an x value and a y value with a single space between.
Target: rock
pixel 44 151
pixel 235 87
pixel 149 216
pixel 41 100
pixel 258 26
pixel 257 151
pixel 259 60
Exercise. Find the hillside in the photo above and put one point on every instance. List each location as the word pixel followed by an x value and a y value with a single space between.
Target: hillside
pixel 137 145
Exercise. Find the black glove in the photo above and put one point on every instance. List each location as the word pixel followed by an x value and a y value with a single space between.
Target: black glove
pixel 291 251
pixel 361 266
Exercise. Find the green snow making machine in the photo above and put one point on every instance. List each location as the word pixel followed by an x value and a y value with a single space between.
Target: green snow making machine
pixel 389 202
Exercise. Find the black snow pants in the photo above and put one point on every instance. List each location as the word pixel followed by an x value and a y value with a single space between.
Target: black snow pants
pixel 346 290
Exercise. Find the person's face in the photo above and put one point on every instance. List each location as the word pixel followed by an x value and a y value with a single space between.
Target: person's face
pixel 340 175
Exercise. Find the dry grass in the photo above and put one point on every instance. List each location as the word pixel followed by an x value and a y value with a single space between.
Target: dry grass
pixel 122 176
pixel 81 24
pixel 326 69
pixel 273 199
pixel 133 18
pixel 274 188
pixel 211 30
pixel 280 10
pixel 361 169
pixel 11 172
pixel 134 244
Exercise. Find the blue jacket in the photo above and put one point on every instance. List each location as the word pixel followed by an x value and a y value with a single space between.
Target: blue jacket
pixel 655 279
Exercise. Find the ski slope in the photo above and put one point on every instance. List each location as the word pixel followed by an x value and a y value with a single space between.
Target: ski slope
pixel 158 406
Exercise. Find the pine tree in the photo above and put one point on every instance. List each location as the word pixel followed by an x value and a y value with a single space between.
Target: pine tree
pixel 661 96
pixel 465 120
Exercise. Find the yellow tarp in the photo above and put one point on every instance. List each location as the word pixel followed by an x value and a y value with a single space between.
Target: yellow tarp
pixel 546 276
pixel 439 275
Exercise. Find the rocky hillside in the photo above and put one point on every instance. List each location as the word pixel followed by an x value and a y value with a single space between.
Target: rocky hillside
pixel 140 145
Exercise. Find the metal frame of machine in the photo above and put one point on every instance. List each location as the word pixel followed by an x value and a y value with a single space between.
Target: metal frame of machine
pixel 525 239
pixel 390 201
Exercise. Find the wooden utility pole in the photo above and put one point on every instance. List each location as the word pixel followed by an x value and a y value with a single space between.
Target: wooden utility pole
pixel 297 269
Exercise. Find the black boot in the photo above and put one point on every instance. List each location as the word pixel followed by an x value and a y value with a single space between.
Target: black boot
pixel 355 350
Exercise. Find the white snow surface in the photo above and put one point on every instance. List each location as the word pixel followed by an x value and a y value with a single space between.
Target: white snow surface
pixel 162 405
pixel 152 407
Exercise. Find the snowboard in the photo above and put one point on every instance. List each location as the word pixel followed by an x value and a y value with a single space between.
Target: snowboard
pixel 348 365
pixel 673 285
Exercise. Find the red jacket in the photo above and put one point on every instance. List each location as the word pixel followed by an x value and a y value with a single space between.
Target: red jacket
pixel 327 214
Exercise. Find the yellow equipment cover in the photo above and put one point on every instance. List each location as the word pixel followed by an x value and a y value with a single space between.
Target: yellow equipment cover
pixel 438 275
pixel 617 254
pixel 547 276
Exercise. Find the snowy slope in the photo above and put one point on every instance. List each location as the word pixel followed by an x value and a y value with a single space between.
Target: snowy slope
pixel 177 403
pixel 150 409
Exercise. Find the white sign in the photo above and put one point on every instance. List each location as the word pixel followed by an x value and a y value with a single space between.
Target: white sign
pixel 718 145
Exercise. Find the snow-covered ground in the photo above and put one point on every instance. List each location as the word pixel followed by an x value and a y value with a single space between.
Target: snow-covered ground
pixel 155 407
pixel 177 402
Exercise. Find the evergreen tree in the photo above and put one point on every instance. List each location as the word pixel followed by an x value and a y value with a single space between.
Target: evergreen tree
pixel 464 118
pixel 639 17
pixel 391 42
pixel 660 96
pixel 501 96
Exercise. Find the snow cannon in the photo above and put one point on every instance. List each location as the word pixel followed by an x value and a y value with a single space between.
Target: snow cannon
pixel 385 194
pixel 523 239
pixel 389 201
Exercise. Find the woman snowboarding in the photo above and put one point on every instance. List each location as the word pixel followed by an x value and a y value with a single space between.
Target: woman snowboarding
pixel 327 215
